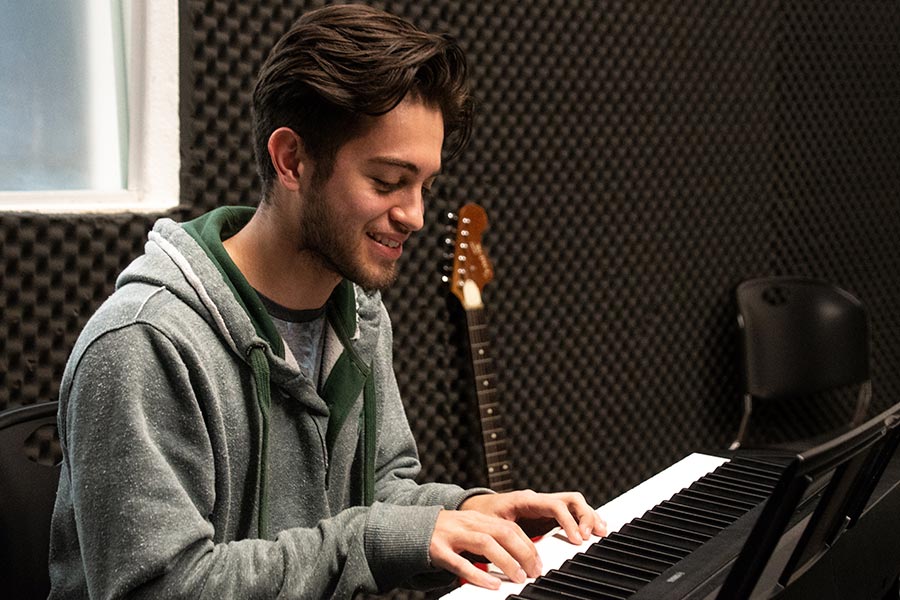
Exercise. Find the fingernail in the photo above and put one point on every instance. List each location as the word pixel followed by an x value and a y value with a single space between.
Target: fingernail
pixel 586 532
pixel 520 576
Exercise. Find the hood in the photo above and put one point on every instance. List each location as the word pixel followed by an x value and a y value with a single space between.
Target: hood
pixel 173 259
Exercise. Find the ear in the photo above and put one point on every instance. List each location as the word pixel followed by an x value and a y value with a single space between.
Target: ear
pixel 288 157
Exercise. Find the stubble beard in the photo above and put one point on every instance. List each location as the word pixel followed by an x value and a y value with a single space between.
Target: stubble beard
pixel 323 237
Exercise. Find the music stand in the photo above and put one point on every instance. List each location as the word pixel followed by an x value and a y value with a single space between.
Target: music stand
pixel 837 478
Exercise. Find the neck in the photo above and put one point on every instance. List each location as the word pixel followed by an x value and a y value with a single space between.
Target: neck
pixel 267 253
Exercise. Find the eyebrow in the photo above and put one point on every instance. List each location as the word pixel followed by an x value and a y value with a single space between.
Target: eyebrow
pixel 403 164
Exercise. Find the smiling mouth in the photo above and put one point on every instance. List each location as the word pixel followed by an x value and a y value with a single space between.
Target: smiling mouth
pixel 384 241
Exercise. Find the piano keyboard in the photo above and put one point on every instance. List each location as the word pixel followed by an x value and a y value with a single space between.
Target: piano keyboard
pixel 623 563
pixel 667 525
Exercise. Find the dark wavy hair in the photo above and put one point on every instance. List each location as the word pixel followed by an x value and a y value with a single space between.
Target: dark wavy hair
pixel 339 63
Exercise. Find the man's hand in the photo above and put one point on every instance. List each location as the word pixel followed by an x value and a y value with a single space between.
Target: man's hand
pixel 488 525
pixel 499 541
pixel 567 509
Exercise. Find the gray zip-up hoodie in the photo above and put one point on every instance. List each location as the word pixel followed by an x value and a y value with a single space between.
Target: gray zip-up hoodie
pixel 194 469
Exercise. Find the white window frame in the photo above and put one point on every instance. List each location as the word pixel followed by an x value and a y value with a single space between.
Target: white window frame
pixel 154 159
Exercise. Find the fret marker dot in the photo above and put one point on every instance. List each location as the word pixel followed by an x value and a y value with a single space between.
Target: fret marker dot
pixel 490 411
pixel 493 436
pixel 481 351
pixel 505 467
pixel 486 383
pixel 491 470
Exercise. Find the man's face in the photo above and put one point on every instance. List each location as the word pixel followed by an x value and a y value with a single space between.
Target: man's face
pixel 357 221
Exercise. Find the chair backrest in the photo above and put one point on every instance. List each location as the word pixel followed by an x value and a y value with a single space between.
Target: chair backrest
pixel 801 336
pixel 29 474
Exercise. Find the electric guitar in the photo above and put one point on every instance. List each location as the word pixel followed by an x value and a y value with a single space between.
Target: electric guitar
pixel 471 271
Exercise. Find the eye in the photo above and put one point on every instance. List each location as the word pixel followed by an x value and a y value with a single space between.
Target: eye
pixel 386 187
pixel 428 187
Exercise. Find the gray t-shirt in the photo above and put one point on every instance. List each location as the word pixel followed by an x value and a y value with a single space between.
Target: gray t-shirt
pixel 302 332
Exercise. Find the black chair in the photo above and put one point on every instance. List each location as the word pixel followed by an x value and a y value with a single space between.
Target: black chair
pixel 801 337
pixel 29 472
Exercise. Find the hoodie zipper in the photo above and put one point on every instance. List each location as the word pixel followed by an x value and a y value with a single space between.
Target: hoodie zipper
pixel 325 462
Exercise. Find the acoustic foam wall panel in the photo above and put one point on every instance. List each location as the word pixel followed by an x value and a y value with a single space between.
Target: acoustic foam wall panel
pixel 637 161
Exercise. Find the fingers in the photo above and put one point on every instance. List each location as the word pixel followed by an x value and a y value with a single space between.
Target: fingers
pixel 505 545
pixel 499 541
pixel 571 511
pixel 459 566
pixel 486 526
pixel 563 515
pixel 600 528
pixel 589 522
pixel 503 559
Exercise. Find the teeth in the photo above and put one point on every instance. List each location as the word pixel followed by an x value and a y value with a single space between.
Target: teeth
pixel 385 241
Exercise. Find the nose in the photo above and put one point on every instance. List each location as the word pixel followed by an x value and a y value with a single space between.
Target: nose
pixel 410 213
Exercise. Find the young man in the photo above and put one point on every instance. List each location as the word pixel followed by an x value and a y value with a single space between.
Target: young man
pixel 230 419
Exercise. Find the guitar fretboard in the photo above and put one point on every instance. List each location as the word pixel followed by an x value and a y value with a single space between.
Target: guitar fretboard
pixel 499 470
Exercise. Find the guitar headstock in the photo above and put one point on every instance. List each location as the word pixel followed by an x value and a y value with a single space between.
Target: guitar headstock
pixel 471 269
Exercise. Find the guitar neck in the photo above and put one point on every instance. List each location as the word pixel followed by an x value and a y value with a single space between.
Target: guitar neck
pixel 499 470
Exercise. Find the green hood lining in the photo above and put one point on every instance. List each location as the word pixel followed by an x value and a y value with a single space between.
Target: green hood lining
pixel 209 231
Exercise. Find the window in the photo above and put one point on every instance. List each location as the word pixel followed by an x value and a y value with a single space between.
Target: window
pixel 89 105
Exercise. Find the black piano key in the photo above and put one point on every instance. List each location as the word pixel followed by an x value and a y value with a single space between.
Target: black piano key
pixel 680 532
pixel 704 507
pixel 688 512
pixel 546 590
pixel 632 584
pixel 535 591
pixel 714 507
pixel 756 466
pixel 578 586
pixel 730 482
pixel 707 504
pixel 749 475
pixel 646 547
pixel 680 521
pixel 626 555
pixel 743 480
pixel 705 492
pixel 726 491
pixel 653 534
pixel 615 566
pixel 772 465
pixel 735 486
pixel 600 587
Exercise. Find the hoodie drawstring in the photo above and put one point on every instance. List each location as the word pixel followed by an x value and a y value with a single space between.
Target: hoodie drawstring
pixel 260 365
pixel 369 441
